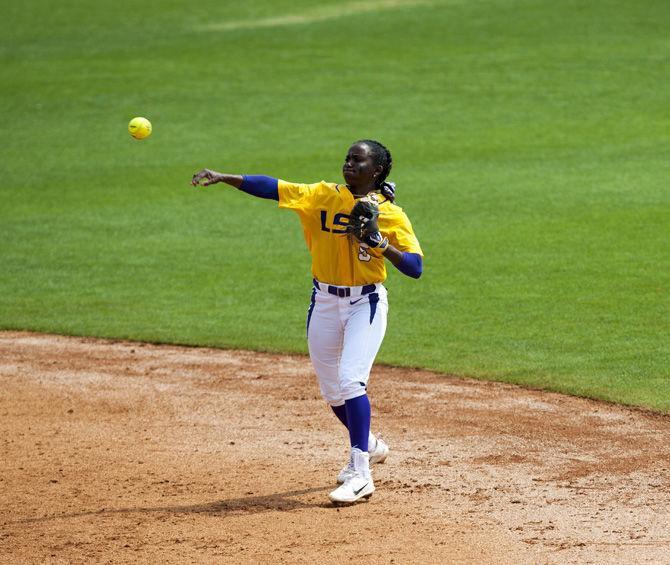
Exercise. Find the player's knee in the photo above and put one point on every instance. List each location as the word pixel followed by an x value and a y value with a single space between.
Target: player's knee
pixel 331 396
pixel 334 400
pixel 352 389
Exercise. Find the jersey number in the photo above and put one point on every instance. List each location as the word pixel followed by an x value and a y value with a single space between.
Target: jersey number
pixel 363 254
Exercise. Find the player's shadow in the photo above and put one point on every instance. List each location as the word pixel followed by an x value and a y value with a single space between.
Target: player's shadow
pixel 284 501
pixel 279 502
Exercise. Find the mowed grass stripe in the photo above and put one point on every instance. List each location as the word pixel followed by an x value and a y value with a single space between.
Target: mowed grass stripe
pixel 322 13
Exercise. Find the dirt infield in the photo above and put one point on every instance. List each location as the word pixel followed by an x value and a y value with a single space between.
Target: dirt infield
pixel 127 452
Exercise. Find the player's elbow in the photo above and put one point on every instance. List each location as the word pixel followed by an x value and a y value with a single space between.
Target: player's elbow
pixel 411 265
pixel 417 272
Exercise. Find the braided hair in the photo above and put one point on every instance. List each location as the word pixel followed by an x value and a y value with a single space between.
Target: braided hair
pixel 381 156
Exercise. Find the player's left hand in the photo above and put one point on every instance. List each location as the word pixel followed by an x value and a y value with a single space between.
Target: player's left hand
pixel 206 175
pixel 376 240
pixel 363 224
pixel 363 218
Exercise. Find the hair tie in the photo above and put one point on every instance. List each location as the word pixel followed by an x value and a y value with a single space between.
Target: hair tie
pixel 388 190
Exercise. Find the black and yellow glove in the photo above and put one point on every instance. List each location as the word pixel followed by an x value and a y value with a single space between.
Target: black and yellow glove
pixel 363 224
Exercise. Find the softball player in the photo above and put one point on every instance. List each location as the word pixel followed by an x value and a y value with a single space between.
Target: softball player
pixel 346 319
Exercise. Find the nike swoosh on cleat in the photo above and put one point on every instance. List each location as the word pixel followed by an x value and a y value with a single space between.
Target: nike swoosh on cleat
pixel 352 302
pixel 360 489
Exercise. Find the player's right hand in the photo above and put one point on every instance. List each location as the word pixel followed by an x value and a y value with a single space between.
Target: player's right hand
pixel 205 178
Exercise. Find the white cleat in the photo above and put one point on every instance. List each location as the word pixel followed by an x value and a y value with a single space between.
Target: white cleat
pixel 358 484
pixel 353 489
pixel 377 455
pixel 380 452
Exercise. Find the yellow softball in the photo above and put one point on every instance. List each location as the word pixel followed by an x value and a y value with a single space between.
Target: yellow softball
pixel 139 128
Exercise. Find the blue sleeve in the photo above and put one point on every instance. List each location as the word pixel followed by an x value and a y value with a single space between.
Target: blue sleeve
pixel 411 265
pixel 261 186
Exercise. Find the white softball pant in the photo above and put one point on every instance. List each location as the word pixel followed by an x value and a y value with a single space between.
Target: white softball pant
pixel 345 329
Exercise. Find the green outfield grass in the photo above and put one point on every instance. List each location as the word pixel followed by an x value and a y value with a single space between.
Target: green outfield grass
pixel 530 141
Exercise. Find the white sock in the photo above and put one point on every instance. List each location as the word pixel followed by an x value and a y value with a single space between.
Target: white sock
pixel 361 461
pixel 372 442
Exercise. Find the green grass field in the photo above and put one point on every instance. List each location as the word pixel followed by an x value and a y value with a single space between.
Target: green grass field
pixel 530 141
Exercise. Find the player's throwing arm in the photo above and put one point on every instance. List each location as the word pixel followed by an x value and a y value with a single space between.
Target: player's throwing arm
pixel 350 230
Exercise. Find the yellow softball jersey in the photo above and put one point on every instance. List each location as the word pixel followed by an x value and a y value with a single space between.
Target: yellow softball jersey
pixel 337 258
